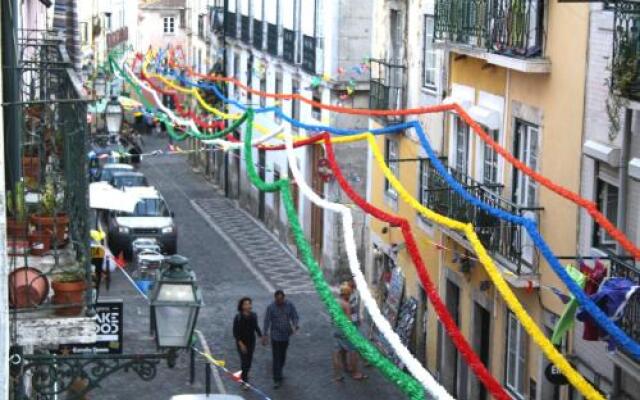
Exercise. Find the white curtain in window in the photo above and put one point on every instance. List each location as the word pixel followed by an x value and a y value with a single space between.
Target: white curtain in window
pixel 232 6
pixel 244 7
pixel 257 9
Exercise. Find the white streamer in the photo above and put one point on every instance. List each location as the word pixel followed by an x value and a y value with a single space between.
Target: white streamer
pixel 413 365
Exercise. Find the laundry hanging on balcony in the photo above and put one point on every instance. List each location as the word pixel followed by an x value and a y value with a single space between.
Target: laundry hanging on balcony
pixel 612 297
pixel 567 319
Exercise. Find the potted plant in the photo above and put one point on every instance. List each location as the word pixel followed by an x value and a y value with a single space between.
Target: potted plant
pixel 69 288
pixel 50 222
pixel 17 224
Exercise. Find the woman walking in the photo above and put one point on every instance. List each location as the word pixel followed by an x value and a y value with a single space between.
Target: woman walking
pixel 245 327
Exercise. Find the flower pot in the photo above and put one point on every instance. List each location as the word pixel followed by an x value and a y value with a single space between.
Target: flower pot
pixel 28 287
pixel 47 224
pixel 68 293
pixel 39 243
pixel 31 167
pixel 17 229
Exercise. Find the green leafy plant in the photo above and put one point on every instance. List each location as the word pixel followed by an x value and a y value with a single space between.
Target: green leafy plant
pixel 16 203
pixel 72 272
pixel 49 199
pixel 624 74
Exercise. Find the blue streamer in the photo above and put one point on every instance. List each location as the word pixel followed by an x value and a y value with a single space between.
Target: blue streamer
pixel 603 321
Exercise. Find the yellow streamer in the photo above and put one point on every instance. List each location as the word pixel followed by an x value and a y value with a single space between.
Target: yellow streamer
pixel 573 376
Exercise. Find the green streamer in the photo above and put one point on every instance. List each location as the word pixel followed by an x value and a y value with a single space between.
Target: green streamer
pixel 403 381
pixel 165 120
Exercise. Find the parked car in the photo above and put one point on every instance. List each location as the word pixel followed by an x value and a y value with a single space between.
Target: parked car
pixel 122 179
pixel 107 171
pixel 151 219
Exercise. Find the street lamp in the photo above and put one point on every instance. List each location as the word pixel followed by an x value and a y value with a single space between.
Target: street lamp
pixel 113 115
pixel 100 85
pixel 175 302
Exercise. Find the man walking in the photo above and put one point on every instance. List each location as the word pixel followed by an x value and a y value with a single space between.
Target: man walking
pixel 280 321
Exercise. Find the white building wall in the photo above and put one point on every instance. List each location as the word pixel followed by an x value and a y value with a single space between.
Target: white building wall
pixel 151 31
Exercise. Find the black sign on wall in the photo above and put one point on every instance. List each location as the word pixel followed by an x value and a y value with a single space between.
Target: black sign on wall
pixel 109 327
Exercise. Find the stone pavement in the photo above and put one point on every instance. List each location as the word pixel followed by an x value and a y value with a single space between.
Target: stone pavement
pixel 233 257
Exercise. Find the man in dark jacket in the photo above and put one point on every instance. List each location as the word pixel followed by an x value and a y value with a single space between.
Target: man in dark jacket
pixel 280 321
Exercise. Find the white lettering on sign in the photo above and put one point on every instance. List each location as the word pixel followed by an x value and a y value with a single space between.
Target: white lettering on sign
pixel 107 326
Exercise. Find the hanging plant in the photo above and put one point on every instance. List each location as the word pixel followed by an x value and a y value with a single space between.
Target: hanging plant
pixel 624 75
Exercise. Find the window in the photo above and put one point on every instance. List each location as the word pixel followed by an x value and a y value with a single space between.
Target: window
pixel 430 56
pixel 316 112
pixel 278 89
pixel 461 145
pixel 391 159
pixel 395 35
pixel 516 365
pixel 249 80
pixel 276 196
pixel 423 187
pixel 236 72
pixel 607 201
pixel 295 104
pixel 169 24
pixel 263 89
pixel 526 150
pixel 490 161
pixel 84 32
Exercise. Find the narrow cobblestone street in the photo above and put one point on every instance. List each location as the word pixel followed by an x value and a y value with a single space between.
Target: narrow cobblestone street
pixel 233 257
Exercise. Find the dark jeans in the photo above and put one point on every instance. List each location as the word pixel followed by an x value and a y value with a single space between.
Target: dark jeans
pixel 279 350
pixel 246 359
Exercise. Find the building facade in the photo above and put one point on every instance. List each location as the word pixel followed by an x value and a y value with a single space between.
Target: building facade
pixel 161 23
pixel 610 178
pixel 519 75
pixel 198 38
pixel 318 49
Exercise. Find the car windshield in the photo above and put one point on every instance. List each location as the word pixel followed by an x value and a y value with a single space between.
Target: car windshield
pixel 107 173
pixel 148 208
pixel 129 181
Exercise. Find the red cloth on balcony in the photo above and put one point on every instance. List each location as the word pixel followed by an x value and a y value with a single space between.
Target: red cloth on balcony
pixel 594 276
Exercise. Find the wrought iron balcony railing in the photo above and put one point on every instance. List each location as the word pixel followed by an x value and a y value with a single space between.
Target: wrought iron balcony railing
pixel 272 39
pixel 625 68
pixel 48 235
pixel 627 268
pixel 231 22
pixel 257 33
pixel 503 239
pixel 245 29
pixel 309 54
pixel 216 19
pixel 511 27
pixel 288 45
pixel 387 83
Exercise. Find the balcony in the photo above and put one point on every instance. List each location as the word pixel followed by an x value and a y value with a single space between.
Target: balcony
pixel 272 39
pixel 232 24
pixel 201 35
pixel 257 34
pixel 216 19
pixel 245 29
pixel 625 69
pixel 627 268
pixel 507 242
pixel 48 223
pixel 288 45
pixel 507 33
pixel 386 85
pixel 309 54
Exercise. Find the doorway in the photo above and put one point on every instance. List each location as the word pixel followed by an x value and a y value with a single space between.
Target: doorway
pixel 262 161
pixel 317 213
pixel 449 360
pixel 481 345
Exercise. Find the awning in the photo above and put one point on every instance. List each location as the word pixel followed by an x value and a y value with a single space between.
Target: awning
pixel 105 197
pixel 634 168
pixel 466 104
pixel 485 116
pixel 602 152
